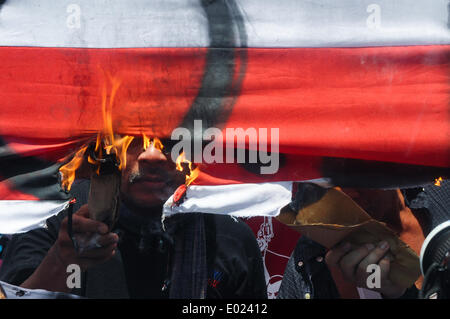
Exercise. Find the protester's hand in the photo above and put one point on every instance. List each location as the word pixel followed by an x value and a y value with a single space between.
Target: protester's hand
pixel 353 261
pixel 52 272
pixel 84 229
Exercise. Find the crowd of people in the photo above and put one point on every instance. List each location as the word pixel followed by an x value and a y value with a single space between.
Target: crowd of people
pixel 193 255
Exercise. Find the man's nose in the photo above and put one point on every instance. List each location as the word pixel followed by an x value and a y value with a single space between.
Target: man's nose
pixel 151 155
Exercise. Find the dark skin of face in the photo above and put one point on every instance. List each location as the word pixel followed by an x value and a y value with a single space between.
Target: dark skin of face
pixel 352 260
pixel 149 179
pixel 382 205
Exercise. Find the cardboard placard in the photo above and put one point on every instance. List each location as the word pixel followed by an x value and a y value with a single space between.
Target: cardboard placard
pixel 336 217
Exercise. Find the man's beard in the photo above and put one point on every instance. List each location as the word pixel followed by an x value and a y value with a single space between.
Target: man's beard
pixel 162 194
pixel 138 176
pixel 149 232
pixel 152 236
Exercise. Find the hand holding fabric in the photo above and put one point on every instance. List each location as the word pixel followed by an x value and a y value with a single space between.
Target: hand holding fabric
pixel 353 262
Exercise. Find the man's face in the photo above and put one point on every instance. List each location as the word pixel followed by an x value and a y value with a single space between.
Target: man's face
pixel 150 177
pixel 376 202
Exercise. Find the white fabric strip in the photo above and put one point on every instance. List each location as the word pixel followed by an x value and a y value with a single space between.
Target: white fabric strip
pixel 368 294
pixel 17 216
pixel 16 292
pixel 184 23
pixel 240 200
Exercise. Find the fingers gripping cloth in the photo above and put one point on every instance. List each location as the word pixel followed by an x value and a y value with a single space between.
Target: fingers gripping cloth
pixel 335 217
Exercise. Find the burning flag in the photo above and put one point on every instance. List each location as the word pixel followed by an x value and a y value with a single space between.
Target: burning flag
pixel 358 91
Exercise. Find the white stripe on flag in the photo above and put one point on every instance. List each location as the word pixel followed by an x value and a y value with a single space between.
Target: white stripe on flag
pixel 240 200
pixel 184 23
pixel 18 216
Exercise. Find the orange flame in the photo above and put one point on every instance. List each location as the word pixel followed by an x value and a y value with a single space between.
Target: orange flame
pixel 191 177
pixel 438 181
pixel 155 141
pixel 112 143
pixel 146 141
pixel 157 144
pixel 68 170
pixel 106 142
pixel 193 173
pixel 180 159
pixel 108 132
pixel 121 147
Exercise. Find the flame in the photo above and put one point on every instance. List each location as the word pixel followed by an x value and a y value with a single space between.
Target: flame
pixel 108 132
pixel 180 159
pixel 68 170
pixel 121 150
pixel 107 142
pixel 193 173
pixel 191 177
pixel 438 181
pixel 157 144
pixel 98 144
pixel 112 143
pixel 155 141
pixel 146 141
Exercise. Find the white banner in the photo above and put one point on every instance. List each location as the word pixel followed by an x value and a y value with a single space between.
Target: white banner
pixel 17 216
pixel 239 200
pixel 185 23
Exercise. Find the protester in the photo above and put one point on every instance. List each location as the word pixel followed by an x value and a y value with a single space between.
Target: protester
pixel 193 256
pixel 314 272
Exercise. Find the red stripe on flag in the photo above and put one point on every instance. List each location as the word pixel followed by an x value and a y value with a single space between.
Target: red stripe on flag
pixel 9 193
pixel 292 168
pixel 381 103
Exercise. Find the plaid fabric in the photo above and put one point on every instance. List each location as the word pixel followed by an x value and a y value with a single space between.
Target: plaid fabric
pixel 306 275
pixel 431 202
pixel 189 268
pixel 438 202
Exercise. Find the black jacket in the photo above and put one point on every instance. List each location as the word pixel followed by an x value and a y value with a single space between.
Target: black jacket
pixel 234 263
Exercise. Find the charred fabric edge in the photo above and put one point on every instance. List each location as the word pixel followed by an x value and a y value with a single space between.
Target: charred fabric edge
pixel 30 175
pixel 306 194
pixel 375 174
pixel 220 88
